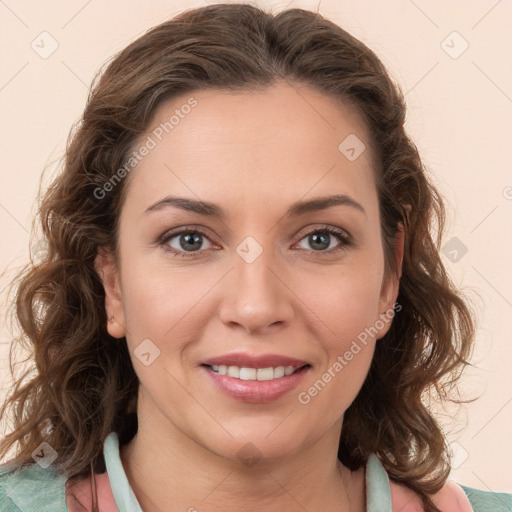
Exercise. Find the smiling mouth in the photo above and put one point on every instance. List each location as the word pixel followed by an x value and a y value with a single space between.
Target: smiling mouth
pixel 256 385
pixel 259 374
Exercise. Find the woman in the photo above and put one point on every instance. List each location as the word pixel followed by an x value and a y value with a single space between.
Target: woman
pixel 236 309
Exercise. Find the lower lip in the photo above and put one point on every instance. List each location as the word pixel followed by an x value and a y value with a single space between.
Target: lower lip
pixel 256 391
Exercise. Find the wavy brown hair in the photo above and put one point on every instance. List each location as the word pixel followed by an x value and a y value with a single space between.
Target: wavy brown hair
pixel 84 385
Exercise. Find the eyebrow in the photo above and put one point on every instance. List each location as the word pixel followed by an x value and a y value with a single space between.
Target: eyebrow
pixel 295 210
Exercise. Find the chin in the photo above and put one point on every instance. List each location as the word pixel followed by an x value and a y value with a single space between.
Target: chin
pixel 256 442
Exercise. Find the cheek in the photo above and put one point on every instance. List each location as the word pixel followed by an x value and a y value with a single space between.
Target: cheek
pixel 345 304
pixel 157 299
pixel 346 311
pixel 349 352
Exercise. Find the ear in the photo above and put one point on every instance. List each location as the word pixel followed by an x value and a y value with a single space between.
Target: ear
pixel 399 249
pixel 107 271
pixel 391 283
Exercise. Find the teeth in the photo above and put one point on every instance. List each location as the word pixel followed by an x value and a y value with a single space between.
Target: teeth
pixel 266 374
pixel 233 371
pixel 248 373
pixel 253 373
pixel 278 372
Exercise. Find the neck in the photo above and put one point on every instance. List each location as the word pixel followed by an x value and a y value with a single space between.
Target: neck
pixel 169 467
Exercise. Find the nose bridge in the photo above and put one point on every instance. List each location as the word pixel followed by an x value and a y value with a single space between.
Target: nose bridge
pixel 257 298
pixel 255 283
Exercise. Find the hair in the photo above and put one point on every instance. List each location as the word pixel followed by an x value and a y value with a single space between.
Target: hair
pixel 84 385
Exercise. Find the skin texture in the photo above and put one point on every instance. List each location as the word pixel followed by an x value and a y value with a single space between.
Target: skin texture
pixel 254 154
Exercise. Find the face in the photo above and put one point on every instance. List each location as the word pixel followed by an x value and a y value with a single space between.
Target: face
pixel 262 279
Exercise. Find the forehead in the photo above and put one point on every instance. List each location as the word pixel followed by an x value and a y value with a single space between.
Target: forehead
pixel 278 143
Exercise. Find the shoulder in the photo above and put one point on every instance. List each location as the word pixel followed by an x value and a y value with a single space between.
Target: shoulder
pixel 79 494
pixel 31 488
pixel 486 501
pixel 451 498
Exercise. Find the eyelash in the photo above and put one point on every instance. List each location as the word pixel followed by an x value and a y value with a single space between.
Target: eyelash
pixel 344 239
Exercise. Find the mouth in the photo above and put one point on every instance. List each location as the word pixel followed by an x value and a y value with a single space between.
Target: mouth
pixel 255 385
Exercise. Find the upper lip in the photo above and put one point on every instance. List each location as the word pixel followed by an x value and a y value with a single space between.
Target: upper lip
pixel 255 361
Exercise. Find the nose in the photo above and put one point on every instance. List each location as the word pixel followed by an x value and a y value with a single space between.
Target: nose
pixel 256 295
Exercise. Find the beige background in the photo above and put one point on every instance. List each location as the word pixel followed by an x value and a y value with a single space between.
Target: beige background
pixel 459 115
